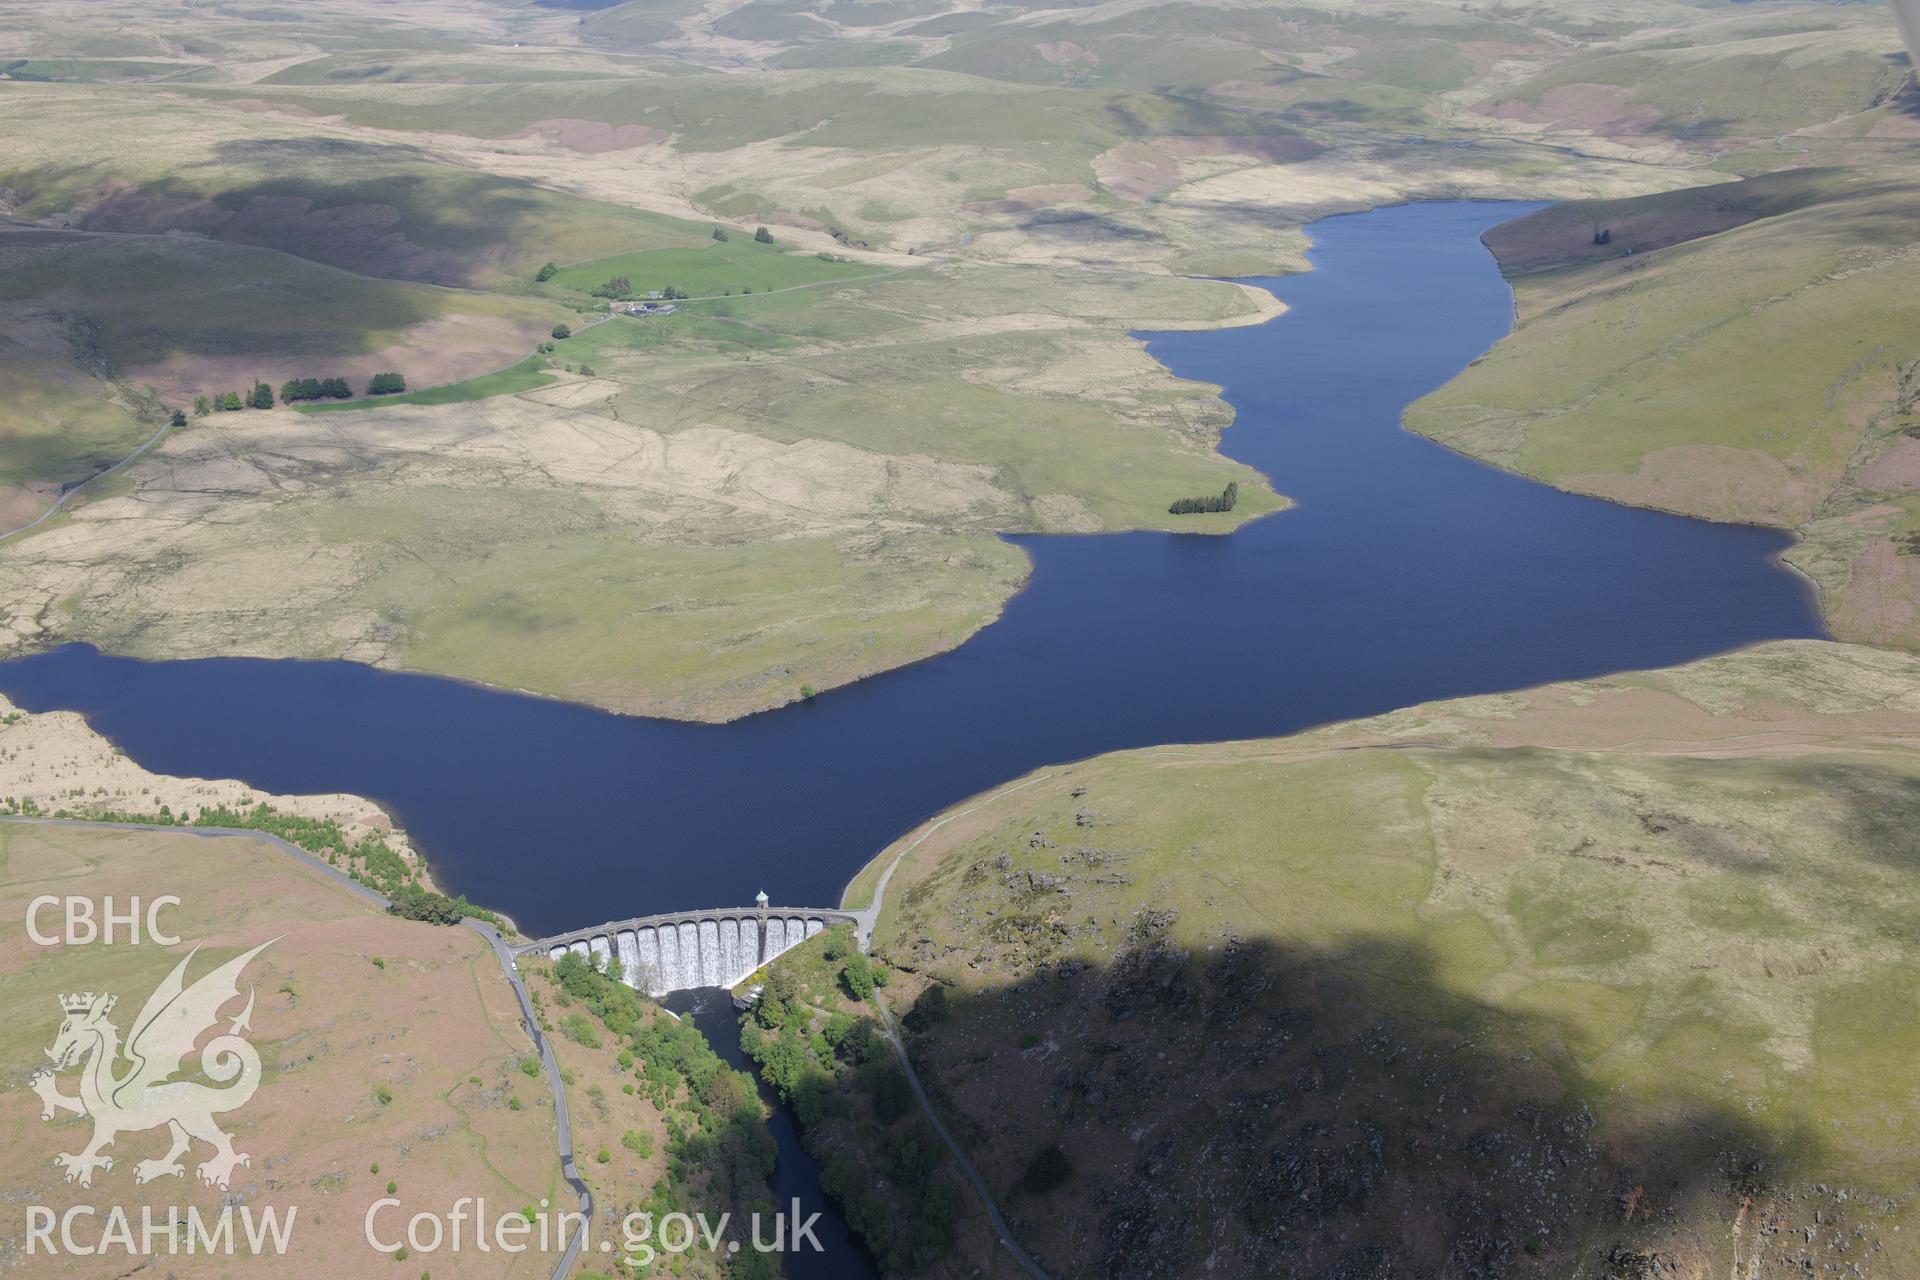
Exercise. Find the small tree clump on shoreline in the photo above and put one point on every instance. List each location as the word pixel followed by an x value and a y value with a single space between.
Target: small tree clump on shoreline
pixel 1222 501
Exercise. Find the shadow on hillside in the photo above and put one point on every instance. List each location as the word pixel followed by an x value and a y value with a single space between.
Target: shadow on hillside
pixel 291 156
pixel 1905 99
pixel 111 301
pixel 1705 129
pixel 1279 1111
pixel 378 209
pixel 1881 808
pixel 1085 227
pixel 1091 228
pixel 1851 211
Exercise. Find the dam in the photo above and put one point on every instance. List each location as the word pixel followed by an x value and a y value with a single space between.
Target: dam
pixel 682 950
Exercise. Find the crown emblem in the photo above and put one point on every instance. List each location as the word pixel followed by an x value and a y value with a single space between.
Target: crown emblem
pixel 142 1094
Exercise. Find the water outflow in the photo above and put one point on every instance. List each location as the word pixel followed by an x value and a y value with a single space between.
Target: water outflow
pixel 681 955
pixel 1405 573
pixel 796 1175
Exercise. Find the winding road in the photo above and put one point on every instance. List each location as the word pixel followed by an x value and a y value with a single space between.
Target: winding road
pixel 501 953
pixel 869 918
pixel 65 494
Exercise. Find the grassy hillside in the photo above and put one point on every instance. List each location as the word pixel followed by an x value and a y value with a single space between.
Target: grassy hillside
pixel 197 316
pixel 1653 75
pixel 391 1050
pixel 717 268
pixel 153 298
pixel 1731 80
pixel 636 23
pixel 1743 353
pixel 797 488
pixel 1607 978
pixel 62 420
pixel 1426 47
pixel 415 66
pixel 855 108
pixel 98 70
pixel 1159 47
pixel 749 497
pixel 108 160
pixel 889 155
pixel 105 335
pixel 793 490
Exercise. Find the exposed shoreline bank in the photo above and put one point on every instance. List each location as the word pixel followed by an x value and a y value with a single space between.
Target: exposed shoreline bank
pixel 1517 583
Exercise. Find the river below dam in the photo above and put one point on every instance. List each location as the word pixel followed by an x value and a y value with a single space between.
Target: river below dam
pixel 1405 573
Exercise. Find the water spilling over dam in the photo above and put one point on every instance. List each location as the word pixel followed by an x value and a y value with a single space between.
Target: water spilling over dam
pixel 682 950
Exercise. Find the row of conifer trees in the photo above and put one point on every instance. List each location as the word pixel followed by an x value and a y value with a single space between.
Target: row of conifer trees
pixel 297 389
pixel 315 389
pixel 1222 501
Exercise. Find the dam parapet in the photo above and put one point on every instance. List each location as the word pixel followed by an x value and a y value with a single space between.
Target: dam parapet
pixel 680 950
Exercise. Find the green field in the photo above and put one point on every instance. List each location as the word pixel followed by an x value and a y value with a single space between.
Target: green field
pixel 876 389
pixel 912 399
pixel 524 376
pixel 753 495
pixel 737 265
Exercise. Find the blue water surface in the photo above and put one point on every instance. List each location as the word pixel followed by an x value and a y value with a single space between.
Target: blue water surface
pixel 1405 573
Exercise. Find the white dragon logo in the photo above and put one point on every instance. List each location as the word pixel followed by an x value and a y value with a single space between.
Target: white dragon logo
pixel 144 1096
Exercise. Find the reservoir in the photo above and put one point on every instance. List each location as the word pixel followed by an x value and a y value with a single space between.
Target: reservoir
pixel 1405 573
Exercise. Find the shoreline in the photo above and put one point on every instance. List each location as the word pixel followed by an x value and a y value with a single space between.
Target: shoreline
pixel 55 766
pixel 1267 307
pixel 493 881
pixel 1778 558
pixel 865 891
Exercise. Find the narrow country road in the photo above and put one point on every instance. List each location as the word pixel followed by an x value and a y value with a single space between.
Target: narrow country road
pixel 1000 1226
pixel 869 917
pixel 563 1121
pixel 61 501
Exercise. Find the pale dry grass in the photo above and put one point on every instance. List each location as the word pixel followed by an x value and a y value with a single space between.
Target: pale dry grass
pixel 55 761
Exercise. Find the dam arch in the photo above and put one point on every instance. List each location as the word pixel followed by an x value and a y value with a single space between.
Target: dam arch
pixel 681 950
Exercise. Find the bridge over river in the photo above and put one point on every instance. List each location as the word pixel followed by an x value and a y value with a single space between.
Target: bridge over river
pixel 679 950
